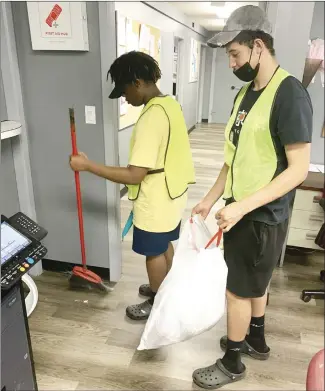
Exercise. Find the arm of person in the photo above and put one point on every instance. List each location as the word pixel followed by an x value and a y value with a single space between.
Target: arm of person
pixel 298 156
pixel 205 206
pixel 143 156
pixel 131 175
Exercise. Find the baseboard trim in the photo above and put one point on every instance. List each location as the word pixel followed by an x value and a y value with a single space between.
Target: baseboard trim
pixel 61 267
pixel 191 129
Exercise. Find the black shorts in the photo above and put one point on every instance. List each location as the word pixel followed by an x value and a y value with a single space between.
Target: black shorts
pixel 252 250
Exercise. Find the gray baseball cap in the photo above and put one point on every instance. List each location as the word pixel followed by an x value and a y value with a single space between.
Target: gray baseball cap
pixel 248 17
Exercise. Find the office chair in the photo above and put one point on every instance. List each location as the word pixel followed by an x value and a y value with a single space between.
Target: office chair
pixel 308 294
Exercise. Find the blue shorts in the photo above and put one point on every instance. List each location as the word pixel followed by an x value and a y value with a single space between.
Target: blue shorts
pixel 151 244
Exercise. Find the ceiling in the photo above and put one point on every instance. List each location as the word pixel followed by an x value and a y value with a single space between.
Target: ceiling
pixel 210 15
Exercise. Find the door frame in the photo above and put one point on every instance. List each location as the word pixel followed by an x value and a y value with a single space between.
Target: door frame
pixel 202 64
pixel 180 70
pixel 212 84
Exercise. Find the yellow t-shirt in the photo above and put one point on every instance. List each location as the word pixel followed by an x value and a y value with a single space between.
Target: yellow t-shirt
pixel 154 210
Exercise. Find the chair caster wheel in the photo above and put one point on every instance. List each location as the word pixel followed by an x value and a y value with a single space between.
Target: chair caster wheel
pixel 305 298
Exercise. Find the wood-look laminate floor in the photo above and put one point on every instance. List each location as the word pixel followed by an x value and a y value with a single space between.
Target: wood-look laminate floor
pixel 83 341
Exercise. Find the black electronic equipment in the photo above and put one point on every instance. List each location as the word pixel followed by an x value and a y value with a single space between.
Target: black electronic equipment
pixel 25 225
pixel 19 252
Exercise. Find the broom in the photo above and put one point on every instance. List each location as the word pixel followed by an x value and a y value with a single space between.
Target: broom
pixel 81 276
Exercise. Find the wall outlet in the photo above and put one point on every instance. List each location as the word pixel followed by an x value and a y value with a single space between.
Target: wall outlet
pixel 90 115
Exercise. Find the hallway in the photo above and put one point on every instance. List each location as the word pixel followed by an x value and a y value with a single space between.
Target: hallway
pixel 84 341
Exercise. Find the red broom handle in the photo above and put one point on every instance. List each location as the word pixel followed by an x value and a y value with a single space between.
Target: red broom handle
pixel 78 191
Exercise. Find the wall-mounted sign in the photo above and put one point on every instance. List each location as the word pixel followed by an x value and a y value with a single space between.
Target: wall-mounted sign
pixel 58 25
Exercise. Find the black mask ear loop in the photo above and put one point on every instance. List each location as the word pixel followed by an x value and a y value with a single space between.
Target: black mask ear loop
pixel 250 57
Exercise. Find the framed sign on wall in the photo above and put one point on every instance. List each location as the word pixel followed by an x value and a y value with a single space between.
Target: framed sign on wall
pixel 58 25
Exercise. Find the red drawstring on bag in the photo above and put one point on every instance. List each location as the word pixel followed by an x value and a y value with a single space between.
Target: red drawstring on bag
pixel 217 236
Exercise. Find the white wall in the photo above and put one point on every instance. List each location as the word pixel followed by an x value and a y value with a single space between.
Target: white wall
pixel 161 18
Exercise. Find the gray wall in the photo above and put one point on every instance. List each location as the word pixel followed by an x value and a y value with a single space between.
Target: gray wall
pixel 9 203
pixel 316 90
pixel 52 82
pixel 3 107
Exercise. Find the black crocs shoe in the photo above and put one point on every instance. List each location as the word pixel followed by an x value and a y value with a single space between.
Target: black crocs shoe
pixel 139 311
pixel 145 290
pixel 216 376
pixel 247 349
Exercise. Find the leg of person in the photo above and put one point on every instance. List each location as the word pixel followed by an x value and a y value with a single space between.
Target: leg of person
pixel 274 237
pixel 240 249
pixel 145 289
pixel 169 255
pixel 238 318
pixel 270 239
pixel 154 246
pixel 256 338
pixel 157 270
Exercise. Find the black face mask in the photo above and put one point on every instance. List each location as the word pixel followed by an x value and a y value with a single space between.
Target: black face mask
pixel 246 72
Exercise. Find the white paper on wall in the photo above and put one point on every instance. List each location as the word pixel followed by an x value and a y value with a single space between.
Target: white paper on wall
pixel 121 50
pixel 132 42
pixel 121 30
pixel 123 106
pixel 144 41
pixel 152 46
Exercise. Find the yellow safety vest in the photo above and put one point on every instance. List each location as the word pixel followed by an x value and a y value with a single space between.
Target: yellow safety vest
pixel 179 167
pixel 253 163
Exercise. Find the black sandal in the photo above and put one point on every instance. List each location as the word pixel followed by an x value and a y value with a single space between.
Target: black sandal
pixel 215 376
pixel 145 290
pixel 139 311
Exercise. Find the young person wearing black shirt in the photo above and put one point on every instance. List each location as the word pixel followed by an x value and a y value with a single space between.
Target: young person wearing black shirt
pixel 267 154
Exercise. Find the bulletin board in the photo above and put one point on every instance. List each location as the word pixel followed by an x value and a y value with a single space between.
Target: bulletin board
pixel 134 35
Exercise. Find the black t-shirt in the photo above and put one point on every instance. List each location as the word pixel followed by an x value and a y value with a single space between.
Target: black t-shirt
pixel 291 122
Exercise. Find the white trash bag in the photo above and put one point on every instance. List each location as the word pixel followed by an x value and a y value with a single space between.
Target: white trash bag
pixel 192 298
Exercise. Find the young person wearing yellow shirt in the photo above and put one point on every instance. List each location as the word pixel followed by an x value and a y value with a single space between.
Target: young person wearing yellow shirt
pixel 159 171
